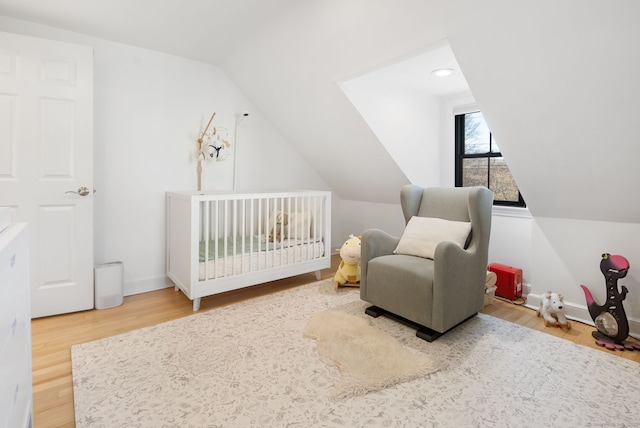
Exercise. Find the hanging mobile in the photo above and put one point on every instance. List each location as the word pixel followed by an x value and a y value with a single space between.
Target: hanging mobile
pixel 201 154
pixel 610 318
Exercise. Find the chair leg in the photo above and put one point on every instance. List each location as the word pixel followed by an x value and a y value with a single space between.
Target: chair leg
pixel 374 311
pixel 427 334
pixel 422 332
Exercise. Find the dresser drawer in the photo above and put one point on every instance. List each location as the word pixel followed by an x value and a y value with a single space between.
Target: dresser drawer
pixel 13 293
pixel 17 342
pixel 11 289
pixel 15 393
pixel 10 376
pixel 15 329
pixel 21 396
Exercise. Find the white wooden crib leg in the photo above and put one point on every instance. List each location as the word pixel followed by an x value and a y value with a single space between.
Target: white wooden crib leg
pixel 196 304
pixel 318 276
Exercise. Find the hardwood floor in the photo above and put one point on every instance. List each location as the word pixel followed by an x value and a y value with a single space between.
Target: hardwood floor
pixel 578 333
pixel 52 337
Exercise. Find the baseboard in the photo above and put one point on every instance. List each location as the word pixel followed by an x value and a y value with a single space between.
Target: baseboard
pixel 580 313
pixel 146 285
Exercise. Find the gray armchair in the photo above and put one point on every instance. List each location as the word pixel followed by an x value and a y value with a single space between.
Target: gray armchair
pixel 436 294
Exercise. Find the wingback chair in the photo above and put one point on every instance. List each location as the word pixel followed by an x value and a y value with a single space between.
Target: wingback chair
pixel 433 289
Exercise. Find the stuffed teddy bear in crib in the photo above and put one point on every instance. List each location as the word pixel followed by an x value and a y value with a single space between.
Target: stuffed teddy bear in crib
pixel 552 310
pixel 349 269
pixel 277 232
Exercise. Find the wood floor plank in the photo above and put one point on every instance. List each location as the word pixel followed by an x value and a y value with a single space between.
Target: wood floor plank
pixel 52 337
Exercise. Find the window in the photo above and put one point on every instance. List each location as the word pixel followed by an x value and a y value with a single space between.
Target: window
pixel 480 163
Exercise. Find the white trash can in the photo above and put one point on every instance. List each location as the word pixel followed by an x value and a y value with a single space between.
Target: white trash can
pixel 109 285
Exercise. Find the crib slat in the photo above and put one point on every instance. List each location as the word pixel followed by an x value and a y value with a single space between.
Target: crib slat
pixel 252 232
pixel 241 226
pixel 225 234
pixel 206 215
pixel 234 233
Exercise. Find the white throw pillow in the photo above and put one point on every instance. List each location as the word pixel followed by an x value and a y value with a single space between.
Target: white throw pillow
pixel 423 234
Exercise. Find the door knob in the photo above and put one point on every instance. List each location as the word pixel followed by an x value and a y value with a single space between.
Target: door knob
pixel 82 191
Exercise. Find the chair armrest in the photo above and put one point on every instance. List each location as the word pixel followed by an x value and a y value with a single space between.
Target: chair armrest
pixel 459 279
pixel 374 243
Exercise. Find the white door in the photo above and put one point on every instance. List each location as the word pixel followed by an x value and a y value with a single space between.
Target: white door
pixel 46 151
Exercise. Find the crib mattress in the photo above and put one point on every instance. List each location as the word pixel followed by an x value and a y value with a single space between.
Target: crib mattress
pixel 225 247
pixel 244 261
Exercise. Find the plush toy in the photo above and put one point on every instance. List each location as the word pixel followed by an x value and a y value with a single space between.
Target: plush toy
pixel 552 310
pixel 349 270
pixel 277 232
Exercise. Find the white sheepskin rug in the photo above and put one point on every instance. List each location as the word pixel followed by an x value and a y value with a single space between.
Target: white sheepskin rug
pixel 367 359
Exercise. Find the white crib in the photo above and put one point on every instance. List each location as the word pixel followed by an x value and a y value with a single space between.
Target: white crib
pixel 218 242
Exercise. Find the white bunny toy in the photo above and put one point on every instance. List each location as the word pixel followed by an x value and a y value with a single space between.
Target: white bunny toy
pixel 552 310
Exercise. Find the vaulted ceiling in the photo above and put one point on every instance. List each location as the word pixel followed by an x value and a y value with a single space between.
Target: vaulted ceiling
pixel 555 80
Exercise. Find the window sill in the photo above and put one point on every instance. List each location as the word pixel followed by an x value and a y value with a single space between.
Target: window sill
pixel 516 212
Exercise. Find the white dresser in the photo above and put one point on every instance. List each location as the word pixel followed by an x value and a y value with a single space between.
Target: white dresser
pixel 15 329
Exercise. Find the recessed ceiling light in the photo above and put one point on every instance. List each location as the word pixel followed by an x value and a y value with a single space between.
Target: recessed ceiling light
pixel 442 72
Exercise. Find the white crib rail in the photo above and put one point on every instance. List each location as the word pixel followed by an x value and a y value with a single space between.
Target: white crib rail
pixel 232 240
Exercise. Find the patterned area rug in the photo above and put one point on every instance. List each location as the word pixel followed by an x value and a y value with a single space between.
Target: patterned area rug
pixel 249 365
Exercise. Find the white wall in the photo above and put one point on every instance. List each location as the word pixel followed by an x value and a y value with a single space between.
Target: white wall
pixel 553 77
pixel 417 129
pixel 405 121
pixel 354 217
pixel 538 100
pixel 566 253
pixel 554 253
pixel 511 237
pixel 511 228
pixel 149 108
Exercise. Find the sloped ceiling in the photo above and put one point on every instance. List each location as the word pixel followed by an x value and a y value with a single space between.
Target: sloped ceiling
pixel 203 30
pixel 558 84
pixel 402 104
pixel 555 80
pixel 291 71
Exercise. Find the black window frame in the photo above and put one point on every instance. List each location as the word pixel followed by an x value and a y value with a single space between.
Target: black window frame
pixel 460 155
